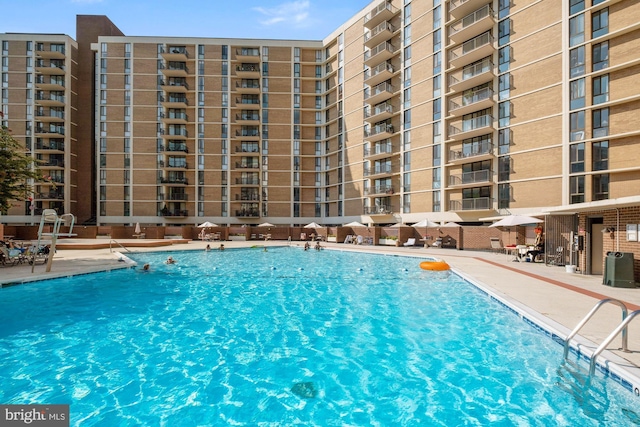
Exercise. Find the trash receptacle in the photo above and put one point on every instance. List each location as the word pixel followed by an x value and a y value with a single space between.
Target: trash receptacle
pixel 618 270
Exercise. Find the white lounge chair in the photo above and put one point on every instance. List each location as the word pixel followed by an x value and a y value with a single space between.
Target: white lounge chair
pixel 359 240
pixel 410 242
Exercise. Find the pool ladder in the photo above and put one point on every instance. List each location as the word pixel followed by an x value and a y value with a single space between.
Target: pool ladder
pixel 622 327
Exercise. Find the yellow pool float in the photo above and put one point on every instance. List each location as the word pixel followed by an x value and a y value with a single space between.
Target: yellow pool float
pixel 434 264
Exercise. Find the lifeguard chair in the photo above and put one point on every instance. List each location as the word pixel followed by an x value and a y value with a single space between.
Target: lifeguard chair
pixel 50 217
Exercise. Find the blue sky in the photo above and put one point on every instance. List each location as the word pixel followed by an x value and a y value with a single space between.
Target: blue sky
pixel 261 19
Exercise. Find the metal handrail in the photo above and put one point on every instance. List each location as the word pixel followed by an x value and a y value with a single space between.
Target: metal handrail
pixel 621 327
pixel 117 243
pixel 590 315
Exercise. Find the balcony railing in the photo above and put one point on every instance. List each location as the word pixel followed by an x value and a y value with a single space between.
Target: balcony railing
pixel 384 46
pixel 470 19
pixel 174 180
pixel 172 212
pixel 378 210
pixel 177 147
pixel 471 45
pixel 248 213
pixel 470 98
pixel 477 204
pixel 476 150
pixel 380 68
pixel 472 124
pixel 248 181
pixel 377 149
pixel 378 109
pixel 178 196
pixel 470 177
pixel 378 129
pixel 383 26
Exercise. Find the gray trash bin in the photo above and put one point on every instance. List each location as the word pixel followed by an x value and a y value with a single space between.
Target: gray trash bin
pixel 618 270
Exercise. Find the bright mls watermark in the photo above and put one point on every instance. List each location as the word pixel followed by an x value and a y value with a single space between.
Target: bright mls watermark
pixel 34 415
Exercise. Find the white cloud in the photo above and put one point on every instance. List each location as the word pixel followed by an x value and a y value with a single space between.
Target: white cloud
pixel 294 13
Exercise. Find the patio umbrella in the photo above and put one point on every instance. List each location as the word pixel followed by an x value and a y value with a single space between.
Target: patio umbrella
pixel 137 229
pixel 399 224
pixel 312 225
pixel 513 220
pixel 354 224
pixel 265 224
pixel 452 224
pixel 426 223
pixel 207 224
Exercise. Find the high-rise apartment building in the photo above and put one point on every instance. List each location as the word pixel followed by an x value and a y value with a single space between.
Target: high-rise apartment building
pixel 457 110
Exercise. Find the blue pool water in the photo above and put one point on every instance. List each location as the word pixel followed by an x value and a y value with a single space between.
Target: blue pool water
pixel 284 337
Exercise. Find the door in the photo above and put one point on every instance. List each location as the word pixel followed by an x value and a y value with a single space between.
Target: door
pixel 597 259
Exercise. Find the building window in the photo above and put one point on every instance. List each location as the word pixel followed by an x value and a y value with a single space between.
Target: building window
pixel 436 202
pixel 601 89
pixel 577 94
pixel 504 168
pixel 601 187
pixel 576 124
pixel 576 30
pixel 600 23
pixel 576 157
pixel 577 61
pixel 437 155
pixel 437 40
pixel 504 196
pixel 600 57
pixel 576 188
pixel 504 141
pixel 436 178
pixel 504 32
pixel 575 6
pixel 600 120
pixel 504 59
pixel 437 110
pixel 503 8
pixel 437 62
pixel 600 154
pixel 504 114
pixel 504 86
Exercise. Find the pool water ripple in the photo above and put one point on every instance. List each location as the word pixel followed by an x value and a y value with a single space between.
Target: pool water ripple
pixel 223 338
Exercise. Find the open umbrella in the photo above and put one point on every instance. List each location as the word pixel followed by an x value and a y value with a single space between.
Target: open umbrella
pixel 426 223
pixel 265 224
pixel 312 225
pixel 513 220
pixel 354 224
pixel 207 224
pixel 399 224
pixel 452 224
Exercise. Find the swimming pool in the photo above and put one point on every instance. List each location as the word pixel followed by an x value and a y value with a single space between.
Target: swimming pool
pixel 288 336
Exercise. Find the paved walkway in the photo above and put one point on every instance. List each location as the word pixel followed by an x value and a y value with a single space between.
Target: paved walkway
pixel 561 299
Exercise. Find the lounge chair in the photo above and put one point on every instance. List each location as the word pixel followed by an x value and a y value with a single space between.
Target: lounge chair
pixel 348 239
pixel 13 256
pixel 496 245
pixel 437 243
pixel 410 242
pixel 359 240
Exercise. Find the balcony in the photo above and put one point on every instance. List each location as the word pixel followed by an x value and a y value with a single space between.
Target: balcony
pixel 471 127
pixel 247 165
pixel 176 133
pixel 50 99
pixel 248 181
pixel 52 195
pixel 248 117
pixel 177 197
pixel 249 133
pixel 248 71
pixel 380 190
pixel 378 113
pixel 379 132
pixel 50 116
pixel 176 147
pixel 248 148
pixel 55 83
pixel 248 86
pixel 472 75
pixel 477 204
pixel 174 212
pixel 476 22
pixel 471 101
pixel 54 51
pixel 176 102
pixel 379 170
pixel 378 54
pixel 175 163
pixel 378 34
pixel 179 180
pixel 175 69
pixel 51 131
pixel 248 101
pixel 378 74
pixel 51 163
pixel 472 50
pixel 461 8
pixel 471 153
pixel 248 55
pixel 174 85
pixel 382 12
pixel 379 93
pixel 378 210
pixel 248 197
pixel 50 68
pixel 470 179
pixel 248 213
pixel 175 117
pixel 175 54
pixel 379 150
pixel 49 146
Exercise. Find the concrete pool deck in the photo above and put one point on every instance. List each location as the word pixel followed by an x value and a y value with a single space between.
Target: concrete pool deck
pixel 549 292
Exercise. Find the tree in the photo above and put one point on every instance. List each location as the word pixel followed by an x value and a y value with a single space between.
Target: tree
pixel 16 169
